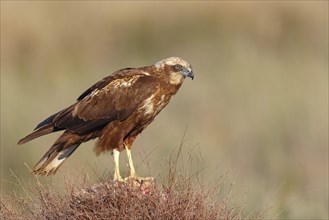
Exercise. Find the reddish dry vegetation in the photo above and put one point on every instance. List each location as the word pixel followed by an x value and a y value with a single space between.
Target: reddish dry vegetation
pixel 107 199
pixel 177 197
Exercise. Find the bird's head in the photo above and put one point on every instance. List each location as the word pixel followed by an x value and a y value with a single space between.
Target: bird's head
pixel 177 68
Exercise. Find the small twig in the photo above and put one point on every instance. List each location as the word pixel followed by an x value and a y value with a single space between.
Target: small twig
pixel 181 143
pixel 20 183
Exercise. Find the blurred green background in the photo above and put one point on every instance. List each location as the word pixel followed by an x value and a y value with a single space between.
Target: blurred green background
pixel 258 107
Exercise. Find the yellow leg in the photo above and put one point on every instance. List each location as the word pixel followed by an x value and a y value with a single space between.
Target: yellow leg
pixel 131 164
pixel 133 174
pixel 116 155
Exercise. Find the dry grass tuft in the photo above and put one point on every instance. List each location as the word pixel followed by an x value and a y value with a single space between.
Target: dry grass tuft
pixel 109 199
pixel 178 196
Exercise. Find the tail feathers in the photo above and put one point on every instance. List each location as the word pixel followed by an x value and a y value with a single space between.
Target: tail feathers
pixel 51 161
pixel 41 131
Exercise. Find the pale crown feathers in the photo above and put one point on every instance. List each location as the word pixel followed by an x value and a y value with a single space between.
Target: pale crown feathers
pixel 179 66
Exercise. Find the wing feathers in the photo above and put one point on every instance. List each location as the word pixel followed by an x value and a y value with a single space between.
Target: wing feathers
pixel 105 81
pixel 113 98
pixel 47 121
pixel 116 100
pixel 41 131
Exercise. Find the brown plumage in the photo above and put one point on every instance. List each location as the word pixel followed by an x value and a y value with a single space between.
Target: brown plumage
pixel 114 110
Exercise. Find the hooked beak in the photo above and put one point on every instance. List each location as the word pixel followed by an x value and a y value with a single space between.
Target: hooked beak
pixel 189 73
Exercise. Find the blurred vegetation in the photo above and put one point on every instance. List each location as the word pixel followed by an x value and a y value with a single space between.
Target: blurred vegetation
pixel 258 107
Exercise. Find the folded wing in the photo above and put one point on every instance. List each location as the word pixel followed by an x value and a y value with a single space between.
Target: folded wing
pixel 115 97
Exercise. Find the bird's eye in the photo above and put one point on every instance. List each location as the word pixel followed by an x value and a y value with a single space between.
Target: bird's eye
pixel 178 67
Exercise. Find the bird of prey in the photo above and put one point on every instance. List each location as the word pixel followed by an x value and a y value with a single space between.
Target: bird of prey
pixel 114 110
